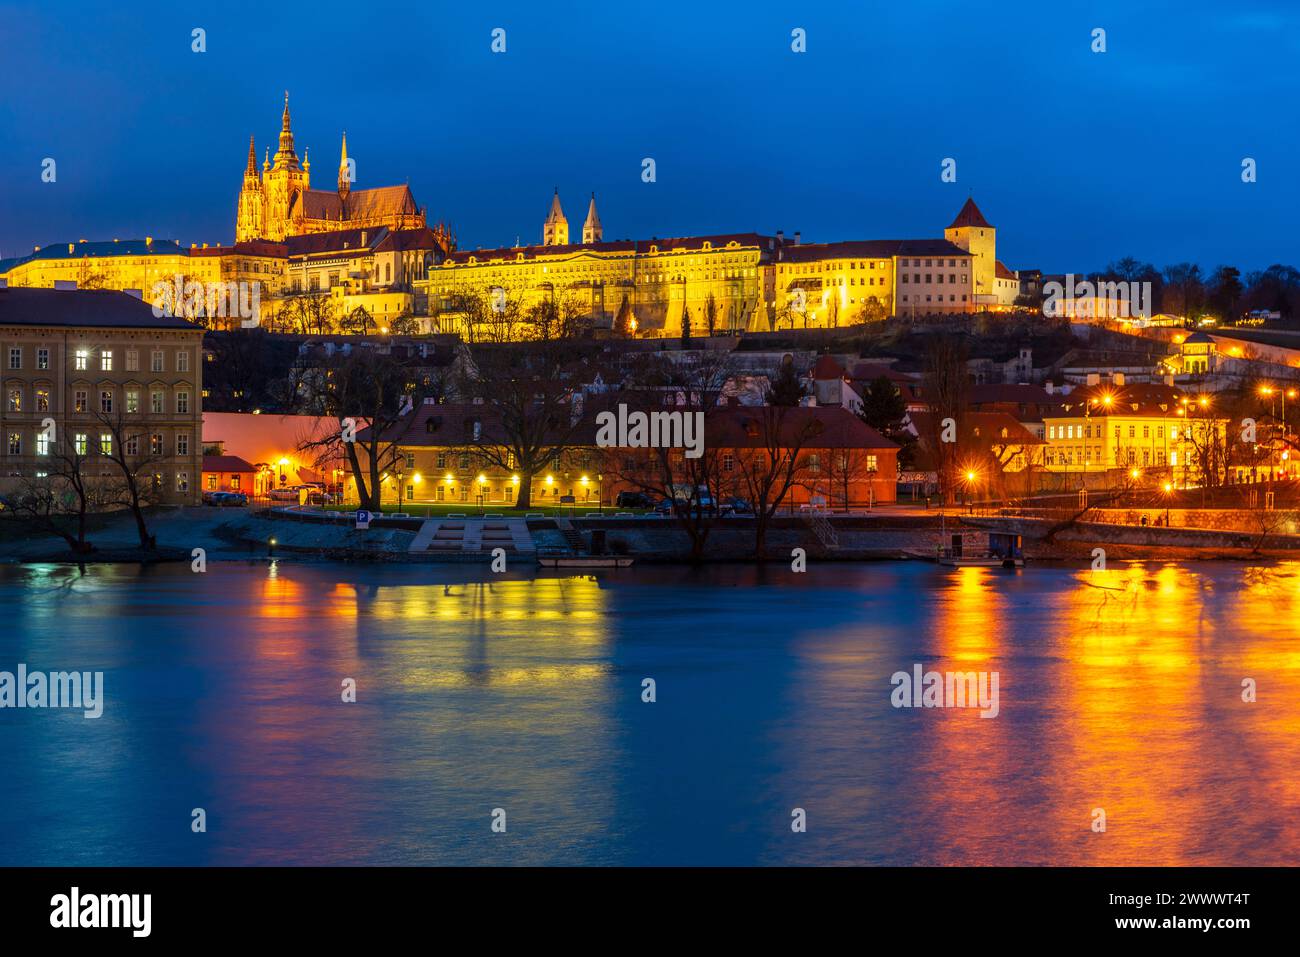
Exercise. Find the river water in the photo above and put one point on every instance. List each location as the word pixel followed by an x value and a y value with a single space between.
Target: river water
pixel 1119 691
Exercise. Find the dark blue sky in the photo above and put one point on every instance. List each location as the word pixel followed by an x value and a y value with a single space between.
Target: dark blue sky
pixel 1078 158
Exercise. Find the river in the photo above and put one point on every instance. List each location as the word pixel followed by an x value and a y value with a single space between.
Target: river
pixel 1119 691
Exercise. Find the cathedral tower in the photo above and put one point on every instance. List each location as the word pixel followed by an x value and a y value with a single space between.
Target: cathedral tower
pixel 591 231
pixel 284 182
pixel 249 215
pixel 555 231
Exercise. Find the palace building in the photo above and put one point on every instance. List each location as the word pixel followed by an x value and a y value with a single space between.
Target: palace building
pixel 726 284
pixel 279 202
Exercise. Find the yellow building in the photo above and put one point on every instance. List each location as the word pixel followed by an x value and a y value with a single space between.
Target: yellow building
pixel 653 282
pixel 1147 430
pixel 280 202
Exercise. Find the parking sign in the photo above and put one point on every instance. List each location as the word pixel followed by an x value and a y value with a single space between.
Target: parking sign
pixel 363 518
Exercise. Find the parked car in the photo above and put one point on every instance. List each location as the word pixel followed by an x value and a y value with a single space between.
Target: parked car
pixel 737 507
pixel 232 498
pixel 287 493
pixel 633 500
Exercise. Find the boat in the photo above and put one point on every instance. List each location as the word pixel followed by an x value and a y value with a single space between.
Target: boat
pixel 584 561
pixel 986 561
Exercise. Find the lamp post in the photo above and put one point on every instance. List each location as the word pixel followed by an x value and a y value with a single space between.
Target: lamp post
pixel 1169 491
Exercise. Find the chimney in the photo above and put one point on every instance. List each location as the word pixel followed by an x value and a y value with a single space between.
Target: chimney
pixel 1049 387
pixel 797 236
pixel 780 235
pixel 363 237
pixel 1094 378
pixel 1169 380
pixel 1117 378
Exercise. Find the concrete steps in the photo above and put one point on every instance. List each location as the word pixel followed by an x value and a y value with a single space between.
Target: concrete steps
pixel 473 536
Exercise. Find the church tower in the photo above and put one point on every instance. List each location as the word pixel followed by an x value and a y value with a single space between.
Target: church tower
pixel 284 182
pixel 591 231
pixel 555 231
pixel 973 233
pixel 250 215
pixel 345 171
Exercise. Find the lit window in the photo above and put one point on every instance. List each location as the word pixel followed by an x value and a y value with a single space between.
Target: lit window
pixel 82 359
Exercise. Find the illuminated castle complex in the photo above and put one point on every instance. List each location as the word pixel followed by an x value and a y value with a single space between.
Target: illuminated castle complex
pixel 279 202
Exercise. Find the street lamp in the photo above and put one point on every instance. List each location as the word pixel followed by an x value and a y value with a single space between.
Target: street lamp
pixel 1169 491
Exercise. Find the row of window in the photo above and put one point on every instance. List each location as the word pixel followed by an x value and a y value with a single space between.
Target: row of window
pixel 938 277
pixel 82 359
pixel 1127 456
pixel 83 443
pixel 157 482
pixel 1088 431
pixel 15 399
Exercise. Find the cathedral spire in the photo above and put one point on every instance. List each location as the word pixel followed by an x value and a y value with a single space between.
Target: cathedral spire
pixel 591 229
pixel 285 156
pixel 345 174
pixel 252 159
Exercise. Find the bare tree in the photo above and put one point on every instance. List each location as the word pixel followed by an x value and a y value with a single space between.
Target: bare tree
pixel 129 448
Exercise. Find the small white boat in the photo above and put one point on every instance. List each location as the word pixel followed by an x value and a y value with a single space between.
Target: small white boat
pixel 584 561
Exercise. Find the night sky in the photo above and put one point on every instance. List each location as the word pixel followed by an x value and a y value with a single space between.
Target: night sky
pixel 1078 158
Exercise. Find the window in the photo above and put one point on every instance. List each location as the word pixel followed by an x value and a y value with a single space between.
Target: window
pixel 15 443
pixel 156 403
pixel 81 359
pixel 106 361
pixel 132 360
pixel 156 361
pixel 872 463
pixel 182 481
pixel 15 400
pixel 42 400
pixel 79 443
pixel 156 444
pixel 728 463
pixel 42 358
pixel 80 401
pixel 182 361
pixel 132 445
pixel 212 482
pixel 132 400
pixel 105 443
pixel 42 443
pixel 106 400
pixel 182 403
pixel 234 481
pixel 814 463
pixel 16 358
pixel 182 443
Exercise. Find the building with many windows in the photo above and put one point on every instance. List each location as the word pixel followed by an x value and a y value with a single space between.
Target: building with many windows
pixel 84 370
pixel 1146 430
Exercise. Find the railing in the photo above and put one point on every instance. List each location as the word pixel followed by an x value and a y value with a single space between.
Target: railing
pixel 822 529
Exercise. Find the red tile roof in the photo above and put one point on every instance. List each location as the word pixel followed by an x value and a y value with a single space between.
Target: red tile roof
pixel 970 215
pixel 226 463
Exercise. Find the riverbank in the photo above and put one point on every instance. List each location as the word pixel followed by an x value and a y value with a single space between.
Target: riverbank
pixel 885 535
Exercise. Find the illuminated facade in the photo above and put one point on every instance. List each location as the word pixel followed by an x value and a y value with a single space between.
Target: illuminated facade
pixel 105 370
pixel 1141 426
pixel 279 202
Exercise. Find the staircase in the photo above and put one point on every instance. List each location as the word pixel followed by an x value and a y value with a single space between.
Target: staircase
pixel 822 528
pixel 472 536
pixel 571 535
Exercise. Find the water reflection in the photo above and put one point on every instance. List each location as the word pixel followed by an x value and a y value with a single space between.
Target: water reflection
pixel 1119 689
